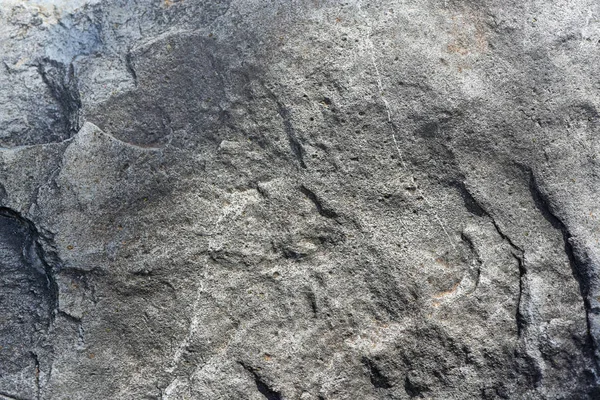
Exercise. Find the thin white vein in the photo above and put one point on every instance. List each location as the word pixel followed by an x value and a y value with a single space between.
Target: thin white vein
pixel 192 330
pixel 388 109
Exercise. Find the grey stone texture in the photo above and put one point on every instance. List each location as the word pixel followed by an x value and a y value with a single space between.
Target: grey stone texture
pixel 299 199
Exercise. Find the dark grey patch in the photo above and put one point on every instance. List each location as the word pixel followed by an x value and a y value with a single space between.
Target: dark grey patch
pixel 62 84
pixel 410 388
pixel 130 67
pixel 378 379
pixel 312 300
pixel 3 193
pixel 527 368
pixel 429 130
pixel 292 254
pixel 261 385
pixel 28 292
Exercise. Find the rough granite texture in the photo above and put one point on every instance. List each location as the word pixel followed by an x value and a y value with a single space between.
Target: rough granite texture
pixel 309 199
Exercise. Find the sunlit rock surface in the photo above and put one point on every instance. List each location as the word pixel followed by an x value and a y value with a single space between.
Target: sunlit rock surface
pixel 299 199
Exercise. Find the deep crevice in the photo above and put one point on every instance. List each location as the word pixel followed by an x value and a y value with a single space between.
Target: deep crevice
pixel 48 258
pixel 62 83
pixel 130 68
pixel 465 238
pixel 519 317
pixel 507 238
pixel 471 204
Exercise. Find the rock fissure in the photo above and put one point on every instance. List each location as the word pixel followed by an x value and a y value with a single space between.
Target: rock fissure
pixel 391 247
pixel 12 396
pixel 377 378
pixel 261 385
pixel 130 67
pixel 520 318
pixel 288 127
pixel 518 253
pixel 35 246
pixel 323 210
pixel 62 84
pixel 38 389
pixel 295 144
pixel 582 271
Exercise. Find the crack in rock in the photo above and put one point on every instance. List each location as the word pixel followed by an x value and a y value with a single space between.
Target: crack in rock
pixel 474 207
pixel 581 268
pixel 11 396
pixel 378 379
pixel 261 385
pixel 62 83
pixel 323 210
pixel 38 246
pixel 284 113
pixel 28 294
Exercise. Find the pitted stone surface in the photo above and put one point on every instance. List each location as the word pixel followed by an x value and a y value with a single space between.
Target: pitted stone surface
pixel 299 200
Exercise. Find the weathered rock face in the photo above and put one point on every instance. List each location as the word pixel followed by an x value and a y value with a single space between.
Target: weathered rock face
pixel 299 200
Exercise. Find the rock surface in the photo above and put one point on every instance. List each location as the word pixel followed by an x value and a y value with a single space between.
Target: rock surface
pixel 310 199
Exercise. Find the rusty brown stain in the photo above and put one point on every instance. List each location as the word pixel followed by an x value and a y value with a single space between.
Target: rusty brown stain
pixel 442 261
pixel 447 292
pixel 169 3
pixel 454 48
pixel 468 34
